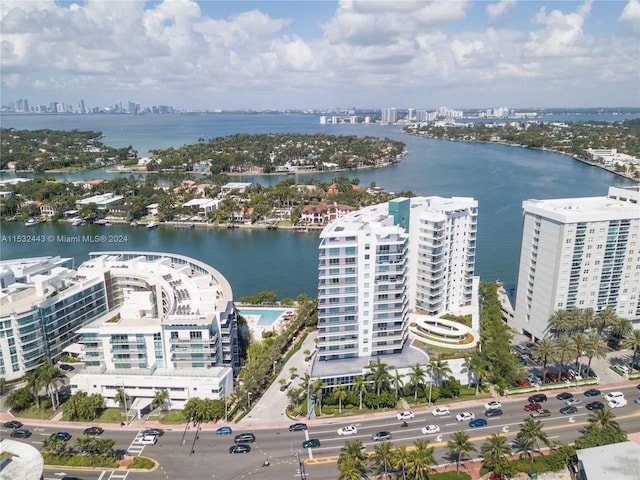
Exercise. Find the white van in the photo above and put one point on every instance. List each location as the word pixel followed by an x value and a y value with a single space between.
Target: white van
pixel 613 396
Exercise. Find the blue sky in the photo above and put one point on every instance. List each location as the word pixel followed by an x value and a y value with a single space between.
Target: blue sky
pixel 322 54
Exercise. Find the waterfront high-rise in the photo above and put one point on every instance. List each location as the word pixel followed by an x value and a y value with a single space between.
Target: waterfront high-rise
pixel 382 263
pixel 579 253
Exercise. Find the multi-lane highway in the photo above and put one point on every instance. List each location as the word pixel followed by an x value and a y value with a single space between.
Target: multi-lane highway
pixel 201 454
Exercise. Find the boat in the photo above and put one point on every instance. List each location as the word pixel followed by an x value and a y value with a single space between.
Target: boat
pixel 152 225
pixel 102 222
pixel 76 222
pixel 31 222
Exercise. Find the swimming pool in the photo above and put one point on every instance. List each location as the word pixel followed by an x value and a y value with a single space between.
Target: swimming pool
pixel 267 316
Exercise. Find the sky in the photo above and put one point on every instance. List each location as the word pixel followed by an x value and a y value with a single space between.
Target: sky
pixel 367 54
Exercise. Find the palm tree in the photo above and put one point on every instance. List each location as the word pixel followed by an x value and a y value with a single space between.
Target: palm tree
pixel 631 341
pixel 121 398
pixel 530 435
pixel 622 327
pixel 382 458
pixel 379 375
pixel 352 459
pixel 160 398
pixel 559 322
pixel 316 390
pixel 544 351
pixel 496 451
pixel 396 378
pixel 420 460
pixel 401 459
pixel 348 468
pixel 360 386
pixel 341 394
pixel 458 446
pixel 579 341
pixel 605 318
pixel 602 419
pixel 439 368
pixel 594 347
pixel 34 384
pixel 575 320
pixel 417 376
pixel 50 378
pixel 564 348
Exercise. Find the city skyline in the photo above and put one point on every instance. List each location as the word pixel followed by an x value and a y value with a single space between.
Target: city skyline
pixel 318 55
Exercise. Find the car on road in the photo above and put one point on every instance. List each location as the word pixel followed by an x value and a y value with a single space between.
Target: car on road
pixel 244 438
pixel 618 402
pixel 613 396
pixel 148 440
pixel 297 426
pixel 93 431
pixel 637 400
pixel 71 478
pixel 66 367
pixel 429 429
pixel 492 405
pixel 465 416
pixel 574 401
pixel 12 424
pixel 347 430
pixel 381 436
pixel 478 422
pixel 493 412
pixel 568 410
pixel 240 448
pixel 226 430
pixel 595 406
pixel 592 392
pixel 20 433
pixel 406 415
pixel 564 396
pixel 311 443
pixel 64 436
pixel 158 432
pixel 544 413
pixel 530 407
pixel 537 398
pixel 440 411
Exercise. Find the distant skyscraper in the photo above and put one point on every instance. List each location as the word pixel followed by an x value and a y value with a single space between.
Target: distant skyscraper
pixel 389 115
pixel 579 253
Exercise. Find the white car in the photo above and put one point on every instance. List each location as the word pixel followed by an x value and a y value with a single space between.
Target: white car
pixel 348 430
pixel 613 396
pixel 622 368
pixel 574 401
pixel 430 429
pixel 440 411
pixel 492 405
pixel 404 415
pixel 619 402
pixel 465 416
pixel 148 440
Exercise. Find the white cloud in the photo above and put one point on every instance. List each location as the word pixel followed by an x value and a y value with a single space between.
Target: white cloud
pixel 497 10
pixel 631 16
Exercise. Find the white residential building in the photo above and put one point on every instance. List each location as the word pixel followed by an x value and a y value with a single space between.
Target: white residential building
pixel 389 115
pixel 378 265
pixel 103 201
pixel 579 253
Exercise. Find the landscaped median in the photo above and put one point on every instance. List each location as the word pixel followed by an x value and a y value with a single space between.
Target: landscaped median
pixel 85 462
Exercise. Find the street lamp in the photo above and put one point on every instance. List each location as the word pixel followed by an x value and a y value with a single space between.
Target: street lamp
pixel 430 386
pixel 274 367
pixel 249 400
pixel 303 474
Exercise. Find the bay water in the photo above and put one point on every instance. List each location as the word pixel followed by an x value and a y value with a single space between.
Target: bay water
pixel 499 177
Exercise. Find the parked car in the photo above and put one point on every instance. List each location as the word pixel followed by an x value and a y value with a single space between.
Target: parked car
pixel 406 415
pixel 568 410
pixel 12 424
pixel 523 383
pixel 564 396
pixel 465 416
pixel 618 402
pixel 493 412
pixel 429 429
pixel 93 431
pixel 537 398
pixel 544 413
pixel 440 411
pixel 64 436
pixel 244 438
pixel 595 406
pixel 148 440
pixel 240 448
pixel 478 422
pixel 381 436
pixel 297 426
pixel 226 430
pixel 593 392
pixel 532 406
pixel 158 432
pixel 552 377
pixel 492 405
pixel 311 443
pixel 20 433
pixel 347 430
pixel 66 367
pixel 624 369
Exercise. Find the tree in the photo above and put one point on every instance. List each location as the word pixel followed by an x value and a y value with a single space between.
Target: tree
pixel 579 343
pixel 54 446
pixel 631 341
pixel 19 399
pixel 351 462
pixel 122 399
pixel 594 347
pixel 50 377
pixel 416 377
pixel 602 419
pixel 530 435
pixel 160 398
pixel 605 318
pixel 360 387
pixel 544 351
pixel 563 349
pixel 379 375
pixel 382 458
pixel 496 451
pixel 402 457
pixel 341 394
pixel 420 461
pixel 459 446
pixel 439 368
pixel 396 378
pixel 622 327
pixel 559 323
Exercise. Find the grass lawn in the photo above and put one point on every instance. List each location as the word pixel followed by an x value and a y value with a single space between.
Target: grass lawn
pixel 111 415
pixel 172 417
pixel 33 412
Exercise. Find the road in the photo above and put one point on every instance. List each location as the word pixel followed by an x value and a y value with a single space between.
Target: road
pixel 201 454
